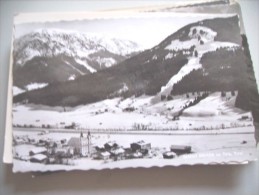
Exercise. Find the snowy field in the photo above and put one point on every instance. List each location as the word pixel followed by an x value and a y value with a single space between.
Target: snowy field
pixel 148 113
pixel 207 149
pixel 216 130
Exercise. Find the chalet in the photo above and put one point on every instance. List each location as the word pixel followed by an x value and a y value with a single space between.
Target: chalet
pixel 110 145
pixel 39 158
pixel 140 145
pixel 101 155
pixel 99 148
pixel 105 155
pixel 117 153
pixel 180 149
pixel 38 150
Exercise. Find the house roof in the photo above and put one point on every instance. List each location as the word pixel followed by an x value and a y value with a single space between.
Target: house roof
pixel 111 143
pixel 118 151
pixel 38 150
pixel 141 143
pixel 104 154
pixel 180 147
pixel 39 157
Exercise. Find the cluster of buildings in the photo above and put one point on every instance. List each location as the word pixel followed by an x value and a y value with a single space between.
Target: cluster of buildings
pixel 64 151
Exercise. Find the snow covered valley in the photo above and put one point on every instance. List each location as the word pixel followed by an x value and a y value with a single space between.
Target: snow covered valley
pixel 141 113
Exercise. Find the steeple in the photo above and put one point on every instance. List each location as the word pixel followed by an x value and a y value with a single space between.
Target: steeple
pixel 81 135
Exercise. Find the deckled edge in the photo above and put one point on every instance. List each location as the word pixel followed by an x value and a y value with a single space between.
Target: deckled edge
pixel 7 154
pixel 230 162
pixel 7 157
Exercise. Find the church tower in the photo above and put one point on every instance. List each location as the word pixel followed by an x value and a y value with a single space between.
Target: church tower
pixel 85 144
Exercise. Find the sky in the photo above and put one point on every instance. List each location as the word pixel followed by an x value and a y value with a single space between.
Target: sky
pixel 147 29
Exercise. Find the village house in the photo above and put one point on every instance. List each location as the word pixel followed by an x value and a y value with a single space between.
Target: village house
pixel 105 155
pixel 110 145
pixel 117 153
pixel 140 146
pixel 99 147
pixel 64 151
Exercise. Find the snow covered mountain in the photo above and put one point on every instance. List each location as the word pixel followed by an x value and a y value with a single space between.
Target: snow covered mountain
pixel 202 40
pixel 58 55
pixel 202 56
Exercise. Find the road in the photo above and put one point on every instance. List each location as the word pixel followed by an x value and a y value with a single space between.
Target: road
pixel 241 130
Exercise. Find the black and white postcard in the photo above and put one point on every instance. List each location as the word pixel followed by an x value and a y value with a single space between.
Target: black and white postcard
pixel 131 90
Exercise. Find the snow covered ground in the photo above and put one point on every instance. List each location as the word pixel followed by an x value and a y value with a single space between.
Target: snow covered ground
pixel 29 87
pixel 217 132
pixel 213 112
pixel 17 90
pixel 207 149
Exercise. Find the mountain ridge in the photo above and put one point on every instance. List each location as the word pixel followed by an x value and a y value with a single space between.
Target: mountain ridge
pixel 151 69
pixel 77 53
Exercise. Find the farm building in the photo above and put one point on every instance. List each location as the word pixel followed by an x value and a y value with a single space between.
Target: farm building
pixel 140 145
pixel 180 149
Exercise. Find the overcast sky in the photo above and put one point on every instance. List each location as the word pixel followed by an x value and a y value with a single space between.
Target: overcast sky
pixel 147 31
